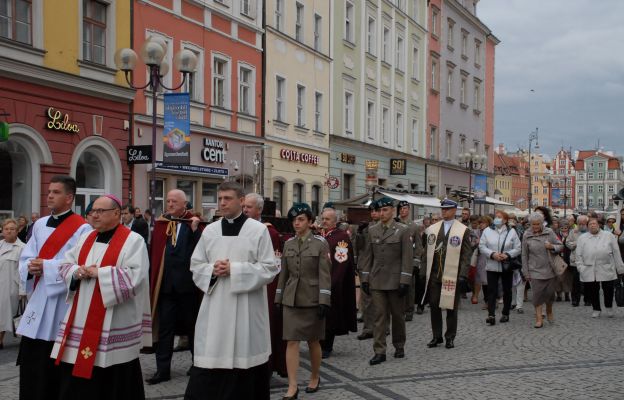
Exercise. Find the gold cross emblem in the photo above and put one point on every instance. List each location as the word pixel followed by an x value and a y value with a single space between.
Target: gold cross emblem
pixel 86 352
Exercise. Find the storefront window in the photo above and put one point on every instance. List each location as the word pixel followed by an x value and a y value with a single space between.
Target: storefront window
pixel 89 180
pixel 278 195
pixel 159 196
pixel 188 187
pixel 209 199
pixel 316 199
pixel 298 194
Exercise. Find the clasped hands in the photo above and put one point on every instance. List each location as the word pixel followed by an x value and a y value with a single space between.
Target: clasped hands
pixel 499 256
pixel 221 268
pixel 86 272
pixel 35 267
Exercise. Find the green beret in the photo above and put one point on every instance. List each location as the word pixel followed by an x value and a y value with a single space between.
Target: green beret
pixel 298 209
pixel 385 202
pixel 89 207
pixel 329 204
pixel 373 205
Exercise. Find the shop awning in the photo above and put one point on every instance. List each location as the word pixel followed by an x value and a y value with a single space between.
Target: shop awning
pixel 496 202
pixel 426 201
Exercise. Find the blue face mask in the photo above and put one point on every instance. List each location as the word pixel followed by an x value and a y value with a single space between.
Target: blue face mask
pixel 498 222
pixel 582 229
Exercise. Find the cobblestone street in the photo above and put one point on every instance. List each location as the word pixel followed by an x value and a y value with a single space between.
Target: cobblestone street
pixel 575 358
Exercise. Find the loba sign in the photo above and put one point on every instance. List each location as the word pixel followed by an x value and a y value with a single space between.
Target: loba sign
pixel 57 121
pixel 139 154
pixel 214 151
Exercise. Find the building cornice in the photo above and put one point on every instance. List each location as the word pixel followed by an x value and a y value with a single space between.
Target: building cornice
pixel 44 76
pixel 469 16
pixel 297 43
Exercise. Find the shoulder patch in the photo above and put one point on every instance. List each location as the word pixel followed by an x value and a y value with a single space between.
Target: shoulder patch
pixel 292 238
pixel 321 238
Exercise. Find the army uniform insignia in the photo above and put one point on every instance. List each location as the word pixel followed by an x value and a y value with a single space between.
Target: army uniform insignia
pixel 455 241
pixel 278 259
pixel 431 239
pixel 342 252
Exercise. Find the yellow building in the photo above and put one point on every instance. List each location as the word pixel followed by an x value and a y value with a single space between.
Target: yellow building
pixel 540 169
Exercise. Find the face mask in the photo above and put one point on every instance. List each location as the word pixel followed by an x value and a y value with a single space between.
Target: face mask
pixel 498 222
pixel 582 229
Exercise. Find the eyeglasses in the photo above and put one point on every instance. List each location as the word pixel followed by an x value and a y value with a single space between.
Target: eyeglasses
pixel 99 211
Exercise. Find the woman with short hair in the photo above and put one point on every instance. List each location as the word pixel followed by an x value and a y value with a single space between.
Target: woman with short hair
pixel 540 244
pixel 499 245
pixel 481 273
pixel 599 263
pixel 10 288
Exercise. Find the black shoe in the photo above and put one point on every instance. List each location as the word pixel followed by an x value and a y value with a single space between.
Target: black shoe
pixel 409 317
pixel 158 377
pixel 575 304
pixel 377 359
pixel 435 342
pixel 399 353
pixel 364 336
pixel 450 343
pixel 315 389
pixel 324 355
pixel 558 298
pixel 490 320
pixel 293 397
pixel 147 350
pixel 420 310
pixel 504 318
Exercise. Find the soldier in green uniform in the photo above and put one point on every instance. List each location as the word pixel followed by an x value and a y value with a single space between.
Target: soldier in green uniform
pixel 365 300
pixel 304 294
pixel 414 232
pixel 386 275
pixel 445 266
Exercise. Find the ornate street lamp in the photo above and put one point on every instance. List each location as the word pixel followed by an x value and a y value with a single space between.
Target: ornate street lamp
pixel 472 161
pixel 152 53
pixel 533 137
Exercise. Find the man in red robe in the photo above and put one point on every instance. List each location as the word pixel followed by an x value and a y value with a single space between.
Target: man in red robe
pixel 342 317
pixel 254 203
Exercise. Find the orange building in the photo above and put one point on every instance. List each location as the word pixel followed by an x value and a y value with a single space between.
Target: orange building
pixel 225 92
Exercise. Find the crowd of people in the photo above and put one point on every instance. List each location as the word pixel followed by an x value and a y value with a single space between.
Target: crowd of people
pixel 88 293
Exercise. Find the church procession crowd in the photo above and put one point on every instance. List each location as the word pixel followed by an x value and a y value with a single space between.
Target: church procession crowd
pixel 88 294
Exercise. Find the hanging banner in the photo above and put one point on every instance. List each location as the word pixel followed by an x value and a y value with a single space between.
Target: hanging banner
pixel 479 188
pixel 555 197
pixel 177 129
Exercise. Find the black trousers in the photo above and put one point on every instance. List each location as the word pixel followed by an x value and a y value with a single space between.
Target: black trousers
pixel 39 377
pixel 229 384
pixel 327 344
pixel 577 289
pixel 176 313
pixel 592 290
pixel 436 312
pixel 507 282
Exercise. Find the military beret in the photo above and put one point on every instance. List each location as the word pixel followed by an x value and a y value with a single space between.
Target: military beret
pixel 373 205
pixel 329 204
pixel 298 209
pixel 385 202
pixel 89 208
pixel 448 203
pixel 402 203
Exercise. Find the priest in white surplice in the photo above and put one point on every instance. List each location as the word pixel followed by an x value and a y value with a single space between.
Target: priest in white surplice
pixel 109 320
pixel 232 264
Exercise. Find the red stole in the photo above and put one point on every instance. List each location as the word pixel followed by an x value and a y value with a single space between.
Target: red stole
pixel 92 332
pixel 58 238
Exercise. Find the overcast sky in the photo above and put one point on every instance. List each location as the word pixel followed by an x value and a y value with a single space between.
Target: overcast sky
pixel 571 54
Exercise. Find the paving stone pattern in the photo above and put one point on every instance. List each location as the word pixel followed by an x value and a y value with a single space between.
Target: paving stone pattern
pixel 576 357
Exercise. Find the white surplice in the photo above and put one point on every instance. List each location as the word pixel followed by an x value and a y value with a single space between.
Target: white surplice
pixel 10 289
pixel 232 329
pixel 125 293
pixel 46 304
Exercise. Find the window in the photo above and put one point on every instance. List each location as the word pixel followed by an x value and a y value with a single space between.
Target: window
pixel 298 193
pixel 318 112
pixel 611 188
pixel 347 186
pixel 600 201
pixel 545 202
pixel 209 198
pixel 400 54
pixel 278 195
pixel 415 135
pixel 449 144
pixel 464 45
pixel 16 20
pixel 245 91
pixel 600 188
pixel 611 175
pixel 449 35
pixel 600 165
pixel 299 23
pixel 94 31
pixel 317 32
pixel 590 189
pixel 348 112
pixel 279 15
pixel 580 202
pixel 600 175
pixel 349 22
pixel 400 5
pixel 434 75
pixel 188 187
pixel 220 85
pixel 434 22
pixel 385 124
pixel 316 199
pixel 194 80
pixel 590 175
pixel 370 119
pixel 432 142
pixel 462 91
pixel 590 202
pixel 400 130
pixel 300 105
pixel 477 52
pixel 545 190
pixel 371 38
pixel 246 8
pixel 449 84
pixel 386 45
pixel 415 10
pixel 581 189
pixel 462 144
pixel 477 97
pixel 535 190
pixel 280 98
pixel 415 62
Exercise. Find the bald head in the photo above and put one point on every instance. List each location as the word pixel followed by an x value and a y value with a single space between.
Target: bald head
pixel 176 203
pixel 329 218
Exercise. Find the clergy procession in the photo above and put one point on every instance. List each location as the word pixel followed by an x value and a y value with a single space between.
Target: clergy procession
pixel 241 292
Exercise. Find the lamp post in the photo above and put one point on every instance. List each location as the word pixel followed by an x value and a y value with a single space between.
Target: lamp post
pixel 533 137
pixel 152 53
pixel 472 161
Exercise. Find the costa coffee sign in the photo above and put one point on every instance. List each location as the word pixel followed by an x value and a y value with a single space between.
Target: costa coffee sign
pixel 293 155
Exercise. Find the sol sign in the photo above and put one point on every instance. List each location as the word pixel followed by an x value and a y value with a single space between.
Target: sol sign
pixel 57 121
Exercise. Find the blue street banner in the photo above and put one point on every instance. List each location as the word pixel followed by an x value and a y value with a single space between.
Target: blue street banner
pixel 555 197
pixel 177 129
pixel 479 188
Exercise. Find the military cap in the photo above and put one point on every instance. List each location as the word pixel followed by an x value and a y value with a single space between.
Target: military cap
pixel 329 204
pixel 373 205
pixel 89 208
pixel 385 202
pixel 298 209
pixel 402 203
pixel 448 203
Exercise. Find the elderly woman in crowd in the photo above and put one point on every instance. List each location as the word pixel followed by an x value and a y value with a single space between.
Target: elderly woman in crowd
pixel 481 274
pixel 10 250
pixel 599 263
pixel 539 245
pixel 499 245
pixel 22 228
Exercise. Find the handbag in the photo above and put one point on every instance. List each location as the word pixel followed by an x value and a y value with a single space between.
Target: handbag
pixel 21 307
pixel 619 293
pixel 510 264
pixel 557 264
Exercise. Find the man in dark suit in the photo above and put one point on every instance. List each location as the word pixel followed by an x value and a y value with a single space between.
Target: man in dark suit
pixel 135 224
